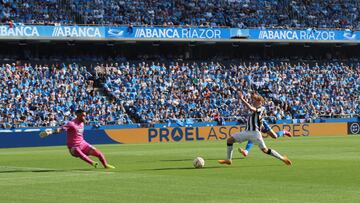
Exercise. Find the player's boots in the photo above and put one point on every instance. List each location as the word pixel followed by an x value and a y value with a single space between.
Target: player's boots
pixel 227 162
pixel 287 133
pixel 287 161
pixel 243 151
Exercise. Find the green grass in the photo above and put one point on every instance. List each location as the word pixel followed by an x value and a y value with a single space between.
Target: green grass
pixel 325 169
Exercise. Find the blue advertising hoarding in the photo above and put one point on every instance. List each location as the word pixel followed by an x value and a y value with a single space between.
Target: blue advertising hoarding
pixel 174 33
pixel 303 35
pixel 167 33
pixel 52 32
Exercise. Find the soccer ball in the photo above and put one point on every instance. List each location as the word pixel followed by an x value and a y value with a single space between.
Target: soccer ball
pixel 198 162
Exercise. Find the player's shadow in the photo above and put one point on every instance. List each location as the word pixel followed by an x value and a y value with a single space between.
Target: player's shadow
pixel 214 167
pixel 175 160
pixel 184 168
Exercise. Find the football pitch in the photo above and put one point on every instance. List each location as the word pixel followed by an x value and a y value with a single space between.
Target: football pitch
pixel 325 169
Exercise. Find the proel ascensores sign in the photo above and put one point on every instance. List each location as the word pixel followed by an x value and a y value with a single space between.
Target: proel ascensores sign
pixel 180 134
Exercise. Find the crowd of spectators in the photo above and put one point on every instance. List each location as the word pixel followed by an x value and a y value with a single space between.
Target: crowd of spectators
pixel 36 12
pixel 190 92
pixel 231 13
pixel 42 95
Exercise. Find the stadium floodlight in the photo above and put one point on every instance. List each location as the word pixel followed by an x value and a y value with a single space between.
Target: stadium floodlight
pixel 338 45
pixel 208 42
pixel 192 44
pixel 22 43
pixel 70 43
pixel 129 42
pixel 155 44
pixel 267 45
pixel 282 43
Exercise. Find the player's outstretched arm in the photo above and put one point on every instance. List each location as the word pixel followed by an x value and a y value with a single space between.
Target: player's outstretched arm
pixel 50 132
pixel 246 103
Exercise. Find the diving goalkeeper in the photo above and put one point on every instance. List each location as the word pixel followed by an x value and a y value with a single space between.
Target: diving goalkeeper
pixel 78 147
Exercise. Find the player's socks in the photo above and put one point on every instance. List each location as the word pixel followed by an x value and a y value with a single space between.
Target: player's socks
pixel 275 154
pixel 83 156
pixel 229 151
pixel 283 133
pixel 229 155
pixel 248 146
pixel 108 166
pixel 280 133
pixel 100 156
pixel 245 151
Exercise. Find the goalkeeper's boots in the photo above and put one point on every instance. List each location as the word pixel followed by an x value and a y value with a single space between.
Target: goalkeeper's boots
pixel 108 166
pixel 95 164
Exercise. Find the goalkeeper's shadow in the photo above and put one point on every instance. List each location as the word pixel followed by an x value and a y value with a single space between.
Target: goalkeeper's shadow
pixel 32 171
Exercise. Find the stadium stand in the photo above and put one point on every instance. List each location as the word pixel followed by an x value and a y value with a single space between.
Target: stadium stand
pixel 184 93
pixel 149 85
pixel 42 95
pixel 36 12
pixel 156 92
pixel 232 13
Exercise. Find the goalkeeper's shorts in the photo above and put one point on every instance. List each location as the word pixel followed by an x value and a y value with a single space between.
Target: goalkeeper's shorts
pixel 85 147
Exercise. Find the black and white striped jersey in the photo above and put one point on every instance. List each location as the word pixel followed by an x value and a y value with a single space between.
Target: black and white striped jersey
pixel 254 120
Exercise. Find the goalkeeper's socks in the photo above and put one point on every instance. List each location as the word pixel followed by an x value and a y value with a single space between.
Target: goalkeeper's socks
pixel 100 156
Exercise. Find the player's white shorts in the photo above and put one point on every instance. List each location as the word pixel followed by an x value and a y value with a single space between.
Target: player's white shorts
pixel 253 136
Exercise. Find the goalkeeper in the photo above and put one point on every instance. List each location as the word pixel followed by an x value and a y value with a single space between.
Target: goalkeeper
pixel 78 147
